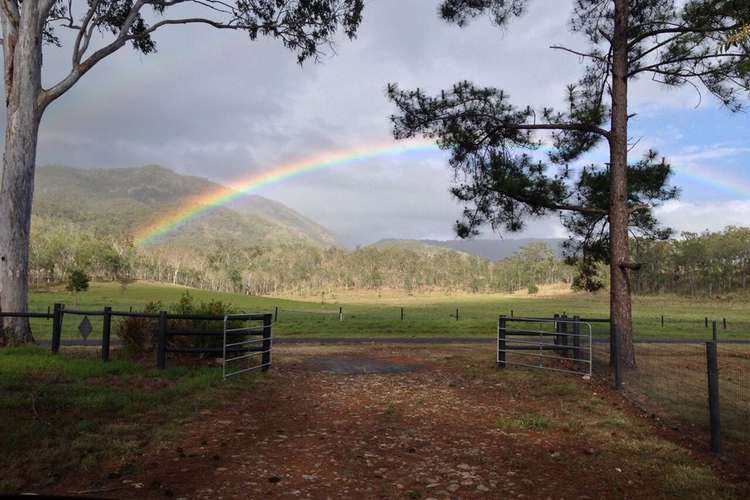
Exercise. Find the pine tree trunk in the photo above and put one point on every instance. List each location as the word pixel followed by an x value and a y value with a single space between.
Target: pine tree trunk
pixel 620 305
pixel 23 63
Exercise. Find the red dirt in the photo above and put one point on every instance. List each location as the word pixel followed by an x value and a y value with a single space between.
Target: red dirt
pixel 428 433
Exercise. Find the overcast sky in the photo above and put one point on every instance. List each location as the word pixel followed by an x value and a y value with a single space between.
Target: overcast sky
pixel 218 105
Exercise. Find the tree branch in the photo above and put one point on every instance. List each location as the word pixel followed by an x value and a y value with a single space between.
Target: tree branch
pixel 681 30
pixel 580 127
pixel 659 65
pixel 581 54
pixel 80 69
pixel 10 11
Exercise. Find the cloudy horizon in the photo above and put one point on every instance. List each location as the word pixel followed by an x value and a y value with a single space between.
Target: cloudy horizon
pixel 189 110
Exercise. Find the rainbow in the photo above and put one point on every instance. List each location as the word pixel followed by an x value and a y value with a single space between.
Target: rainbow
pixel 199 205
pixel 729 184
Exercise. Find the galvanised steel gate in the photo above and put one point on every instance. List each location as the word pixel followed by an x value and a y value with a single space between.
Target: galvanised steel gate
pixel 254 351
pixel 558 344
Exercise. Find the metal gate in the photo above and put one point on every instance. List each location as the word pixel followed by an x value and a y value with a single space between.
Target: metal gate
pixel 254 351
pixel 558 344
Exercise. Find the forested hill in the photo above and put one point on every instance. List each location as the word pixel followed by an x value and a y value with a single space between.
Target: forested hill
pixel 493 250
pixel 116 202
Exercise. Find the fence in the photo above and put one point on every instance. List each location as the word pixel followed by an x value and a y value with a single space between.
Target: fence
pixel 558 344
pixel 211 342
pixel 245 349
pixel 700 388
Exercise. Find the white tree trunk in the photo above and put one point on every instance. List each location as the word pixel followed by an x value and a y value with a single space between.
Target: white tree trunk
pixel 23 64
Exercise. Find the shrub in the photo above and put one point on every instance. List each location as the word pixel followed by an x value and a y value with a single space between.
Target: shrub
pixel 138 335
pixel 78 282
pixel 533 289
pixel 187 306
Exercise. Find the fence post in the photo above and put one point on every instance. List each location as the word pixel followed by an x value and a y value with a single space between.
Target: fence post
pixel 617 343
pixel 556 327
pixel 714 332
pixel 402 314
pixel 57 316
pixel 712 365
pixel 577 339
pixel 341 314
pixel 457 314
pixel 106 332
pixel 725 323
pixel 275 314
pixel 266 354
pixel 706 321
pixel 662 321
pixel 501 344
pixel 161 350
pixel 564 338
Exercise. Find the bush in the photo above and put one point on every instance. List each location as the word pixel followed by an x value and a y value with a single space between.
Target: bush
pixel 187 306
pixel 139 335
pixel 78 282
pixel 533 289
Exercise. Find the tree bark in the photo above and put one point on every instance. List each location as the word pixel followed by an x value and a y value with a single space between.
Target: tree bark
pixel 620 304
pixel 23 67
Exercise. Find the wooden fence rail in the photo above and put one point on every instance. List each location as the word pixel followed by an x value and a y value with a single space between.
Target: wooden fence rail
pixel 164 333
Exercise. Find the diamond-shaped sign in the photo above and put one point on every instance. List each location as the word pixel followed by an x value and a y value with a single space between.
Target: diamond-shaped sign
pixel 85 328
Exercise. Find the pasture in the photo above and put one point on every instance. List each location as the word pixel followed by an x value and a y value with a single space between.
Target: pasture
pixel 378 314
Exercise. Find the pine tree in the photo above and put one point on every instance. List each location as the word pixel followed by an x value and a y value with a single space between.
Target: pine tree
pixel 489 137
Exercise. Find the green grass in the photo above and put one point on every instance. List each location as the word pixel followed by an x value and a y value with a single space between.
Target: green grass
pixel 69 412
pixel 522 423
pixel 434 315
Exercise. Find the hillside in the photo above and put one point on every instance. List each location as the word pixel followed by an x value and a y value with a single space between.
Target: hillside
pixel 118 201
pixel 493 250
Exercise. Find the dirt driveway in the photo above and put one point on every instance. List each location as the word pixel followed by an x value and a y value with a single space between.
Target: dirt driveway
pixel 415 423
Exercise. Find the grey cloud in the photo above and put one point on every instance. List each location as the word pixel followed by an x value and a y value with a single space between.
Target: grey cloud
pixel 219 105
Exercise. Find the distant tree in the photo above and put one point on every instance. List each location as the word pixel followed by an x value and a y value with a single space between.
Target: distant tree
pixel 673 45
pixel 100 28
pixel 78 281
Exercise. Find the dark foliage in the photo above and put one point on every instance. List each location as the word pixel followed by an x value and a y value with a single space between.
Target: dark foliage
pixel 500 174
pixel 303 26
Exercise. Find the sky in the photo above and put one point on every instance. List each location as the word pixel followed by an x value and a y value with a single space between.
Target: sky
pixel 218 105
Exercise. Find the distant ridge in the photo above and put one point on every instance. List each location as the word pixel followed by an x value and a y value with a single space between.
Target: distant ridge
pixel 117 201
pixel 489 249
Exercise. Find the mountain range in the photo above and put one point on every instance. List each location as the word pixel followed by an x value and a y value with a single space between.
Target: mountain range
pixel 120 201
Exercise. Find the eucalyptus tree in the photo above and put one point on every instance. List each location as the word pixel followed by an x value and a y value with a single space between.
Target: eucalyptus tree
pixel 672 43
pixel 99 28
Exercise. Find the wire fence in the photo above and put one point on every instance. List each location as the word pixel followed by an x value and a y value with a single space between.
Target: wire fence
pixel 671 384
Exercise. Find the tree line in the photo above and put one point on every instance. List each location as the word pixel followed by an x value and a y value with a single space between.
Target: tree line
pixel 697 264
pixel 59 249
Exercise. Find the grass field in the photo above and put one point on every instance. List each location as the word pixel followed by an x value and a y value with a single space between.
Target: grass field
pixel 379 314
pixel 68 413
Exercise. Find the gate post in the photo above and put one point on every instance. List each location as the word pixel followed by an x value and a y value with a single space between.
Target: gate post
pixel 106 333
pixel 712 364
pixel 161 350
pixel 501 344
pixel 266 354
pixel 556 328
pixel 57 317
pixel 577 339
